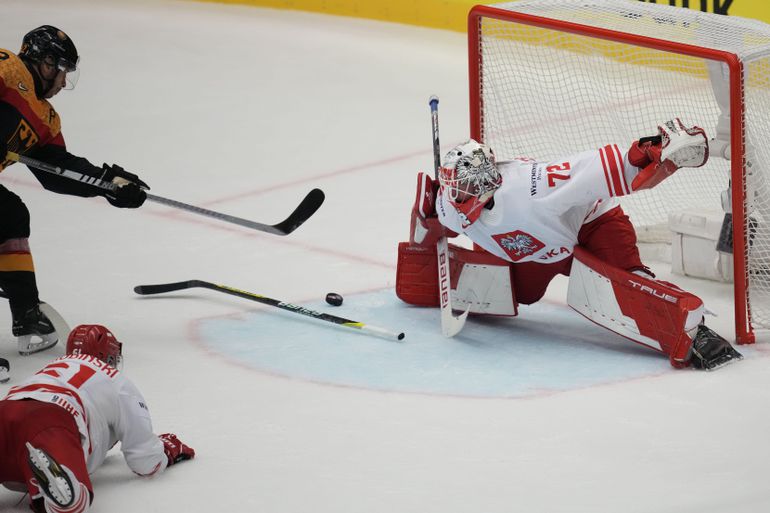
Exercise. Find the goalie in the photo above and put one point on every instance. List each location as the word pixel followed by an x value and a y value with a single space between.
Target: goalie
pixel 536 220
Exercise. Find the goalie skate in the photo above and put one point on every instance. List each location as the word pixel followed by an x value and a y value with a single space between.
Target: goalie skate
pixel 711 351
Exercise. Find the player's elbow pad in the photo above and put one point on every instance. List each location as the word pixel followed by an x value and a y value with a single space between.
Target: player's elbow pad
pixel 147 467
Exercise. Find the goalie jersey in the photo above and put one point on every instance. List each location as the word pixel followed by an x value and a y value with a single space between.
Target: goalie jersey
pixel 107 407
pixel 540 207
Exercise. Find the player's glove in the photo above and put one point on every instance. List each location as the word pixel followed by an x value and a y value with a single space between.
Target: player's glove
pixel 175 450
pixel 658 157
pixel 128 195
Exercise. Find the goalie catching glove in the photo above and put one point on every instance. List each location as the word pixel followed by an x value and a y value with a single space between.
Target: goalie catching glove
pixel 175 450
pixel 674 147
pixel 129 192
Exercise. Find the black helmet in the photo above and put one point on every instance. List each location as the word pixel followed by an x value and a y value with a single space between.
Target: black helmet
pixel 49 41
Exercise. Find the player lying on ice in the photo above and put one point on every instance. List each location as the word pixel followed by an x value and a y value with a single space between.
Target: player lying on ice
pixel 535 220
pixel 57 426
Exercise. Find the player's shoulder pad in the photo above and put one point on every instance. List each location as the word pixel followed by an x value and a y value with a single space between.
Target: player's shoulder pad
pixel 11 65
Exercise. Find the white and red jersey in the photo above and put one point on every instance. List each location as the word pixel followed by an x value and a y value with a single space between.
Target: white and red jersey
pixel 107 407
pixel 541 206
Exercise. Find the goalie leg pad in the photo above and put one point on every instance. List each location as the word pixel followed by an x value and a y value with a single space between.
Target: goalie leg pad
pixel 478 279
pixel 417 274
pixel 652 313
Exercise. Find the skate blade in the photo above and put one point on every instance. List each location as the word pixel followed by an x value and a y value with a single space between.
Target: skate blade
pixel 723 361
pixel 28 347
pixel 50 477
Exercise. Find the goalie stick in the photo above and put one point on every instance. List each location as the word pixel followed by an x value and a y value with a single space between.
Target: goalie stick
pixel 450 325
pixel 302 213
pixel 182 285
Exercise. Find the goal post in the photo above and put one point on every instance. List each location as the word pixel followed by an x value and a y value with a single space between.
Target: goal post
pixel 553 77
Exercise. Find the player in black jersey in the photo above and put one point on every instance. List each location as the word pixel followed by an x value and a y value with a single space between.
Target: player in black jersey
pixel 29 125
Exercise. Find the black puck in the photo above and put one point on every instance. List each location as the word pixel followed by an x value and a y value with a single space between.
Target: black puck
pixel 334 299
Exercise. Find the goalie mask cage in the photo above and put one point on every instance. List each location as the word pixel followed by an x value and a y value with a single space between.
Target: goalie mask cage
pixel 553 77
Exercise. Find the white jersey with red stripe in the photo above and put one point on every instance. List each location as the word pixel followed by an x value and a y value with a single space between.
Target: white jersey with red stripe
pixel 541 206
pixel 107 407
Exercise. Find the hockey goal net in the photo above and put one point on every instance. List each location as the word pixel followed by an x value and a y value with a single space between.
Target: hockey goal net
pixel 552 77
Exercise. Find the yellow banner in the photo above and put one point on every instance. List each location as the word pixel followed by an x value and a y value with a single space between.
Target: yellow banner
pixel 453 14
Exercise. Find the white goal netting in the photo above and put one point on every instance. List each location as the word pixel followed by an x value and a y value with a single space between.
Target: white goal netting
pixel 547 91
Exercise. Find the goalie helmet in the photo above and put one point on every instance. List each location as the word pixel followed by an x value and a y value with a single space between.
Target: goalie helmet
pixel 470 178
pixel 96 340
pixel 48 41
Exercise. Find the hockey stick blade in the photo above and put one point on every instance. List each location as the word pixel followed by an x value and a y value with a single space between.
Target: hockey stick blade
pixel 302 213
pixel 182 285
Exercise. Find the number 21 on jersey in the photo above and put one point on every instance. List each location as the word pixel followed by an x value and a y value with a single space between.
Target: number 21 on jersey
pixel 78 374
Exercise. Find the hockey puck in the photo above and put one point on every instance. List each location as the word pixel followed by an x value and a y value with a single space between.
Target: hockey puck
pixel 334 299
pixel 5 369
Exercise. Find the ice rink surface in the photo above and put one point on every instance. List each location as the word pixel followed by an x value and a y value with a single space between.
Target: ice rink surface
pixel 244 110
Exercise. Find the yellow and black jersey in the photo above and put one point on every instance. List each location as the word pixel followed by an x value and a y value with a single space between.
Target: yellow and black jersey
pixel 30 126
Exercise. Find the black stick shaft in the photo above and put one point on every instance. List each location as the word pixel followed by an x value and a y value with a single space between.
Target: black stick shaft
pixel 348 323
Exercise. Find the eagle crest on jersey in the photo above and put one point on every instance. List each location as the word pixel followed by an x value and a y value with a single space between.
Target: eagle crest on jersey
pixel 518 244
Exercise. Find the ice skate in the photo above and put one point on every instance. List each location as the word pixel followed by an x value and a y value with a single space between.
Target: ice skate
pixel 52 479
pixel 5 370
pixel 35 331
pixel 711 351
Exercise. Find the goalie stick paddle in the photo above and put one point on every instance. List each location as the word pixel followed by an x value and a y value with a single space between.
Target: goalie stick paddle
pixel 450 325
pixel 182 285
pixel 302 213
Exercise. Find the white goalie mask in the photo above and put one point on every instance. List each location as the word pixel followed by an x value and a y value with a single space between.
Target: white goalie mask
pixel 469 177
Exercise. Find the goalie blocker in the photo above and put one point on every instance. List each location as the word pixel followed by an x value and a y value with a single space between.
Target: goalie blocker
pixel 650 312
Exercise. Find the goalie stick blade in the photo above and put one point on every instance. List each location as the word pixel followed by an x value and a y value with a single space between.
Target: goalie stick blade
pixel 451 325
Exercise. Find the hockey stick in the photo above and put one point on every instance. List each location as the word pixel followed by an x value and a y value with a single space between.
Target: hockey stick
pixel 450 325
pixel 182 285
pixel 302 213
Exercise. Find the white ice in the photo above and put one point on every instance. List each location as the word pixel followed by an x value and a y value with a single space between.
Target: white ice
pixel 244 110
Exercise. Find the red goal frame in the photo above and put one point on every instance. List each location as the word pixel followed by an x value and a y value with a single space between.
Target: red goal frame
pixel 744 333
